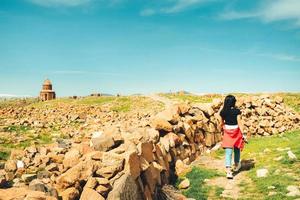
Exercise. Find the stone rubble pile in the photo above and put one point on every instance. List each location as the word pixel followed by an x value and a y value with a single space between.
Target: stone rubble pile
pixel 134 162
pixel 263 115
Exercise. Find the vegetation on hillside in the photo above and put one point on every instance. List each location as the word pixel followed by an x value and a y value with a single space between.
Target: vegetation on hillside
pixel 268 153
pixel 290 99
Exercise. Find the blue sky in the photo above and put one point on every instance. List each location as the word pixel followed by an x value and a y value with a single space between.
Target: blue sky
pixel 146 46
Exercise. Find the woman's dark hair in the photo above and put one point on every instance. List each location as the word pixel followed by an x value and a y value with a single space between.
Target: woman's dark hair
pixel 228 103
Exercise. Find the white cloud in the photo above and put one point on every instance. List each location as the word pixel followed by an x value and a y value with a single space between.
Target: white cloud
pixel 283 57
pixel 181 5
pixel 269 11
pixel 174 6
pixel 231 15
pixel 147 12
pixel 281 10
pixel 55 3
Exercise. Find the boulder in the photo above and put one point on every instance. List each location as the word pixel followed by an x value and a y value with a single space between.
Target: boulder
pixel 125 188
pixel 145 150
pixel 184 184
pixel 132 166
pixel 10 166
pixel 79 172
pixel 71 158
pixel 70 194
pixel 90 194
pixel 37 185
pixel 102 143
pixel 161 125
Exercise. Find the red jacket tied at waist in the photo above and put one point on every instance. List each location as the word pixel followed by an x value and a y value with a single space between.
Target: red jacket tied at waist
pixel 232 138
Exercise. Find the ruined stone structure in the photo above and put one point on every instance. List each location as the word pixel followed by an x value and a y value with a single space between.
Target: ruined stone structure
pixel 47 93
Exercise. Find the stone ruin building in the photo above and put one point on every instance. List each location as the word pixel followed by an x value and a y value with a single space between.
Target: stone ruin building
pixel 47 93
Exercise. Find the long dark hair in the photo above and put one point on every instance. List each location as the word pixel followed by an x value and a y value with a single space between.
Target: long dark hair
pixel 229 103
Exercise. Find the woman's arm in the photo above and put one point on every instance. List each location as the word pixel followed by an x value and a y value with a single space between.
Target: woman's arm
pixel 240 123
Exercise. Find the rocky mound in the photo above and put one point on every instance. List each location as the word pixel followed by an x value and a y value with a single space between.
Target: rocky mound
pixel 133 163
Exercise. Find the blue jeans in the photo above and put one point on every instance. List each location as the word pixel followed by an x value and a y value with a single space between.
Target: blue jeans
pixel 228 156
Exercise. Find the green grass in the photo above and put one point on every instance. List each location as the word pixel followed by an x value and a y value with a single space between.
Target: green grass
pixel 20 137
pixel 292 100
pixel 19 129
pixel 4 154
pixel 197 189
pixel 192 98
pixel 117 104
pixel 264 150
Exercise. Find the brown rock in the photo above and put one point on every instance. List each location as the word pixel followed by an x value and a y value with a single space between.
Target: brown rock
pixel 71 158
pixel 91 183
pixel 70 194
pixel 125 188
pixel 162 125
pixel 90 194
pixel 152 176
pixel 146 150
pixel 79 172
pixel 10 166
pixel 103 143
pixel 132 164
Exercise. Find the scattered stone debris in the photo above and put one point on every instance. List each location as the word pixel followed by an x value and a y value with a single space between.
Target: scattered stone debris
pixel 262 173
pixel 293 191
pixel 108 155
pixel 291 155
pixel 184 184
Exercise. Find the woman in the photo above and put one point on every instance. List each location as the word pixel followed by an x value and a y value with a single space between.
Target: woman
pixel 233 139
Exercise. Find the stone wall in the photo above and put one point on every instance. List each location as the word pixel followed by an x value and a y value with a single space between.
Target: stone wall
pixel 128 164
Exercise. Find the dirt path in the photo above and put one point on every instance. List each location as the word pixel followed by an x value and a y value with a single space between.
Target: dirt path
pixel 164 100
pixel 232 188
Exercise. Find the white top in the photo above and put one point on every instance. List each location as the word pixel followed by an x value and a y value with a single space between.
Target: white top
pixel 231 126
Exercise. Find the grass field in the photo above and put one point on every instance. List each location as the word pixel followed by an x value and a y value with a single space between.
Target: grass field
pixel 269 153
pixel 118 104
pixel 290 99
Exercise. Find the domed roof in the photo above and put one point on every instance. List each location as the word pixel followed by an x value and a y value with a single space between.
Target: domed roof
pixel 47 82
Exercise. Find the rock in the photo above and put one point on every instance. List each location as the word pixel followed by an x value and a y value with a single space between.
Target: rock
pixel 152 176
pixel 90 194
pixel 53 167
pixel 183 108
pixel 102 143
pixel 278 158
pixel 125 188
pixel 37 185
pixel 184 184
pixel 162 125
pixel 70 194
pixel 293 191
pixel 145 150
pixel 91 183
pixel 272 193
pixel 10 166
pixel 43 174
pixel 132 164
pixel 97 156
pixel 262 173
pixel 71 158
pixel 103 190
pixel 171 114
pixel 271 187
pixel 180 167
pixel 28 177
pixel 20 164
pixel 79 172
pixel 291 155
